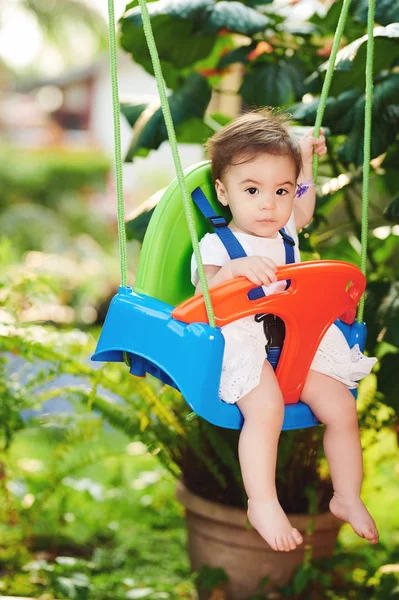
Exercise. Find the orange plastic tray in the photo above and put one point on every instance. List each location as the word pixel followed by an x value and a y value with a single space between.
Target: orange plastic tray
pixel 320 292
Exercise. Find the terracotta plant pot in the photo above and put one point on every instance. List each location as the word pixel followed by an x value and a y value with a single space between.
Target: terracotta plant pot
pixel 218 536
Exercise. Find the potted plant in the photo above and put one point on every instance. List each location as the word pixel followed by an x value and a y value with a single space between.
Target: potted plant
pixel 204 460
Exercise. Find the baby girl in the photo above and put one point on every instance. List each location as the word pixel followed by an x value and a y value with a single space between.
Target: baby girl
pixel 257 168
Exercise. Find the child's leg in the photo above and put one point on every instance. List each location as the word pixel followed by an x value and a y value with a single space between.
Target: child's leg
pixel 263 411
pixel 334 405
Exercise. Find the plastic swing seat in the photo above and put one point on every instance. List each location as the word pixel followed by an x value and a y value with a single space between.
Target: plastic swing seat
pixel 165 332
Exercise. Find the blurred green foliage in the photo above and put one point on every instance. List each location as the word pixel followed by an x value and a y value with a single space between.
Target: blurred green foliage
pixel 44 175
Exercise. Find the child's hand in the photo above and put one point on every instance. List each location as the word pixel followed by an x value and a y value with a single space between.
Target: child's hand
pixel 310 144
pixel 259 270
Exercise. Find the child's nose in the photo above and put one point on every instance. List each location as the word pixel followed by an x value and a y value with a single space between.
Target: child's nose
pixel 268 203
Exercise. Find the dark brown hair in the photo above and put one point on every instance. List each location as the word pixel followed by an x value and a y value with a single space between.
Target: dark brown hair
pixel 248 136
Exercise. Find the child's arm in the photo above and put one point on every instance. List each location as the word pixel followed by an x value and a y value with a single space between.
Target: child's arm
pixel 305 205
pixel 258 269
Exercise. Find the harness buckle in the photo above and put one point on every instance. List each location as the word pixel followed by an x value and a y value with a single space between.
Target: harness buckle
pixel 217 221
pixel 274 330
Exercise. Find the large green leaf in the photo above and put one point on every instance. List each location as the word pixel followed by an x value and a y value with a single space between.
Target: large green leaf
pixel 132 111
pixel 237 18
pixel 178 32
pixel 185 30
pixel 136 228
pixel 327 24
pixel 345 115
pixel 272 84
pixel 176 9
pixel 385 123
pixel 386 11
pixel 350 65
pixel 187 103
pixel 338 114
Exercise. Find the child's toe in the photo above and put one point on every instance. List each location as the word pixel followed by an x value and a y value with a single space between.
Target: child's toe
pixel 297 537
pixel 292 543
pixel 274 546
pixel 287 544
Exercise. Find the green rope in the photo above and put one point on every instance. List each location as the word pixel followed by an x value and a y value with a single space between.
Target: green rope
pixel 176 158
pixel 327 80
pixel 117 142
pixel 368 111
pixel 367 122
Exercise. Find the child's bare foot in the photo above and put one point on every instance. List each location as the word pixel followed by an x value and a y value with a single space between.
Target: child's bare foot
pixel 269 519
pixel 356 514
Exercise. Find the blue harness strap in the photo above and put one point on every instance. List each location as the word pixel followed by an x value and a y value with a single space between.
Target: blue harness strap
pixel 219 224
pixel 229 240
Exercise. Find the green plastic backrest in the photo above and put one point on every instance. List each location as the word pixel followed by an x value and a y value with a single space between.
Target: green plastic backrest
pixel 164 267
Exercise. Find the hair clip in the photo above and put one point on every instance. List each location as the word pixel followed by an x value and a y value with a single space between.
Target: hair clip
pixel 303 188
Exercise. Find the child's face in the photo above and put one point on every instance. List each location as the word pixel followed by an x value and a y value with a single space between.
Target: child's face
pixel 260 194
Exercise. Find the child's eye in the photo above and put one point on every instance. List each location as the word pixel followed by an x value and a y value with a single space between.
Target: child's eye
pixel 252 191
pixel 281 192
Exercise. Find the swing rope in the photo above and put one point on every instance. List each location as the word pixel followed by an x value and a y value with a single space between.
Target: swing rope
pixel 117 144
pixel 173 144
pixel 367 124
pixel 328 78
pixel 368 113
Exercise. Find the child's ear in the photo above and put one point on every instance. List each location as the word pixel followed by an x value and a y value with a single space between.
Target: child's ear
pixel 221 192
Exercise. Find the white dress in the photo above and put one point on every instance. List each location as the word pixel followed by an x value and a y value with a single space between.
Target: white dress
pixel 244 352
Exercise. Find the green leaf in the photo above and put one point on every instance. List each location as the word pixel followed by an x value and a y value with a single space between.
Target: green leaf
pixel 392 211
pixel 192 26
pixel 176 9
pixel 385 123
pixel 349 71
pixel 302 578
pixel 135 3
pixel 342 249
pixel 188 102
pixel 256 3
pixel 337 115
pixel 345 115
pixel 208 578
pixel 132 111
pixel 386 11
pixel 193 131
pixel 221 119
pixel 181 21
pixel 237 18
pixel 327 24
pixel 386 251
pixel 136 228
pixel 388 380
pixel 272 84
pixel 376 291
